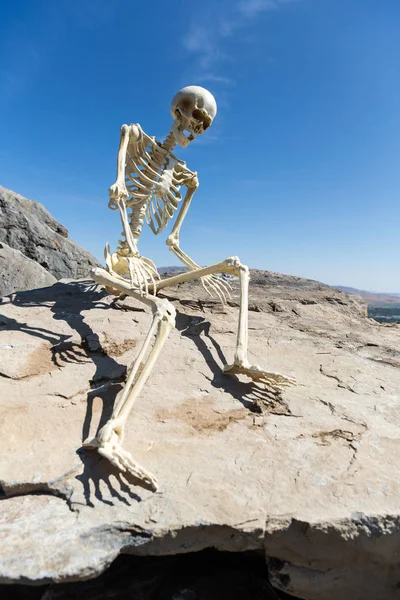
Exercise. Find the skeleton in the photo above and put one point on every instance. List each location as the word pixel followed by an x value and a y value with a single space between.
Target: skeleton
pixel 149 183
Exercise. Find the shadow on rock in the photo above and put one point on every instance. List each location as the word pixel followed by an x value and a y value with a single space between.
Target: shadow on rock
pixel 97 470
pixel 67 301
pixel 257 398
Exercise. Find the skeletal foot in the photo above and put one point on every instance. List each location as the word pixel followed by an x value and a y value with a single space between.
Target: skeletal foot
pixel 258 374
pixel 121 459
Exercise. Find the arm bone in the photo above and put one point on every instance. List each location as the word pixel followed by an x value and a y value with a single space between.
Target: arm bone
pixel 218 287
pixel 118 189
pixel 173 238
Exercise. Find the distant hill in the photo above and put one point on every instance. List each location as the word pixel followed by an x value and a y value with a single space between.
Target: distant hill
pixel 171 270
pixel 372 298
pixel 165 272
pixel 384 308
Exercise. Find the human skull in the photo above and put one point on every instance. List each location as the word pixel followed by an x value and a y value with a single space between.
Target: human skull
pixel 193 109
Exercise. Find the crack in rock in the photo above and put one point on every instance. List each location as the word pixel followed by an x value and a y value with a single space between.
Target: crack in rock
pixel 42 488
pixel 341 384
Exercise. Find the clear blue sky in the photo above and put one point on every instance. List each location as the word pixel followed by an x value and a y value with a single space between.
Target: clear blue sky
pixel 299 172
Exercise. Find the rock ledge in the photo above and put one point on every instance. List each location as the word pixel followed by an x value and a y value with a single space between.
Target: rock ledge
pixel 311 477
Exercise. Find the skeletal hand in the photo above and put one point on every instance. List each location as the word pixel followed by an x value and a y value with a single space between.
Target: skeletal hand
pixel 116 191
pixel 213 284
pixel 142 272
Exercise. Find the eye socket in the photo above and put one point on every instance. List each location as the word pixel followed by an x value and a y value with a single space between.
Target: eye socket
pixel 185 104
pixel 197 114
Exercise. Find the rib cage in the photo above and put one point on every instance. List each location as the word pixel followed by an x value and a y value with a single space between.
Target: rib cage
pixel 153 183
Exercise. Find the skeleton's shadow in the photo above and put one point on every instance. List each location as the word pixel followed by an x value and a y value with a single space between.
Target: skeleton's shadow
pixel 109 374
pixel 257 398
pixel 67 301
pixel 96 470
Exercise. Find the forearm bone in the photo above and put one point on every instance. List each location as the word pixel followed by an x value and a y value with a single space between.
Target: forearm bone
pixel 173 238
pixel 118 192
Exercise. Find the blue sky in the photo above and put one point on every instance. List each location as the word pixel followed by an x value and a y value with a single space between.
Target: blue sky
pixel 299 172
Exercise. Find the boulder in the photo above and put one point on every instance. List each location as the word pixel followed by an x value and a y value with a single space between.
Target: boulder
pixel 19 273
pixel 310 477
pixel 25 225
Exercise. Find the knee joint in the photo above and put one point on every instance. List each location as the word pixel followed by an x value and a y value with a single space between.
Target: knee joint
pixel 165 311
pixel 235 266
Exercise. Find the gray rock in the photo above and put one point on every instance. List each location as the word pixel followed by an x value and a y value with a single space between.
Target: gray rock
pixel 27 226
pixel 19 273
pixel 309 477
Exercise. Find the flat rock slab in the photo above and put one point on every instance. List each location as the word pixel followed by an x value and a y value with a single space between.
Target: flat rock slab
pixel 311 476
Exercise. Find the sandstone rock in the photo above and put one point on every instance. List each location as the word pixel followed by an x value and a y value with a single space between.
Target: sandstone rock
pixel 310 477
pixel 27 226
pixel 19 273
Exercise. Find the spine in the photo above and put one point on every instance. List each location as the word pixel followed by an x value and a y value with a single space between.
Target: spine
pixel 136 220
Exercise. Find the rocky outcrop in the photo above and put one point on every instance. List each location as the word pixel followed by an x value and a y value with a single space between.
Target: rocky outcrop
pixel 309 477
pixel 25 225
pixel 17 272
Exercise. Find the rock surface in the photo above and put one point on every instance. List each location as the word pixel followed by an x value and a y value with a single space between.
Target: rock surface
pixel 17 272
pixel 310 477
pixel 25 225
